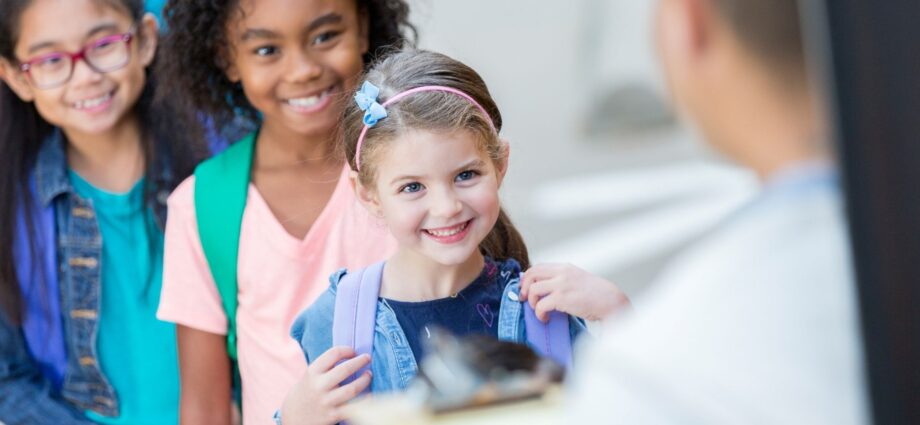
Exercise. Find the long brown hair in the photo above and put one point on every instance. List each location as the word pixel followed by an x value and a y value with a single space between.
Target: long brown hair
pixel 433 111
pixel 171 142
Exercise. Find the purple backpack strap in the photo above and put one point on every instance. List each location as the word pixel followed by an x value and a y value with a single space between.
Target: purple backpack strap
pixel 356 311
pixel 551 339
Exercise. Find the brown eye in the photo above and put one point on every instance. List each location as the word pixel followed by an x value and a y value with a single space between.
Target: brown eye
pixel 265 51
pixel 50 62
pixel 325 37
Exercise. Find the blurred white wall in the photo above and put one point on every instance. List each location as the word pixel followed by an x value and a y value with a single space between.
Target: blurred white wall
pixel 602 174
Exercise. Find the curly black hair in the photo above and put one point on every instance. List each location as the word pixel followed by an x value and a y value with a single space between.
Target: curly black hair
pixel 193 47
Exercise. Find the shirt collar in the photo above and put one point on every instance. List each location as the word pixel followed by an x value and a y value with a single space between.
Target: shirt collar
pixel 802 175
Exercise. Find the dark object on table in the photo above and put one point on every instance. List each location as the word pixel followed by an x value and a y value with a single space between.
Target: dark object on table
pixel 479 370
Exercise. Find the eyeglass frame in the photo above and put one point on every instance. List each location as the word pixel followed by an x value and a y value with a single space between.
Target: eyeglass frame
pixel 26 66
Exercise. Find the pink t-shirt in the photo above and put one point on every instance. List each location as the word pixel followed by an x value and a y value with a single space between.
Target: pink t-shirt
pixel 278 276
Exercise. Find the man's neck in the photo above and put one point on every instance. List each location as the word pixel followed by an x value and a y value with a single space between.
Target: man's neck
pixel 767 126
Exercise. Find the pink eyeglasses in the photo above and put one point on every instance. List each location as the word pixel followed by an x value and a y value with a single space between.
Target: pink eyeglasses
pixel 106 54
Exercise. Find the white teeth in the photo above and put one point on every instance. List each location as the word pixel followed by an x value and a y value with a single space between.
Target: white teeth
pixel 305 102
pixel 450 232
pixel 92 103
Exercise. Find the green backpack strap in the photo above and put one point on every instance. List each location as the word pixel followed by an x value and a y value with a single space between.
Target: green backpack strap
pixel 221 186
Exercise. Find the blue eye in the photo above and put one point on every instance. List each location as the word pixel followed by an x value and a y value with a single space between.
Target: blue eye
pixel 411 188
pixel 466 175
pixel 265 51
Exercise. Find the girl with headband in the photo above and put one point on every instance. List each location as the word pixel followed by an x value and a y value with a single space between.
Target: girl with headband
pixel 422 139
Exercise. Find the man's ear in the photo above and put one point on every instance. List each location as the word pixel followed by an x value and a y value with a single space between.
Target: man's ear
pixel 684 28
pixel 149 33
pixel 700 20
pixel 14 78
pixel 367 196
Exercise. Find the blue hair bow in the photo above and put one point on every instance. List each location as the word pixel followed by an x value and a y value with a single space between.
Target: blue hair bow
pixel 366 98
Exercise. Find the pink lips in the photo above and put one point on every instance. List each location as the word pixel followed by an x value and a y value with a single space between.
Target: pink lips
pixel 449 235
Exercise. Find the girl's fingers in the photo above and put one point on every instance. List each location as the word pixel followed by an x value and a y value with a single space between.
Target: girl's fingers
pixel 336 375
pixel 544 271
pixel 528 279
pixel 538 273
pixel 330 358
pixel 336 417
pixel 525 286
pixel 345 393
pixel 544 307
pixel 539 290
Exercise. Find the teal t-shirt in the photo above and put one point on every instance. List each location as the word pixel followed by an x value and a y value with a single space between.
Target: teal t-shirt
pixel 136 351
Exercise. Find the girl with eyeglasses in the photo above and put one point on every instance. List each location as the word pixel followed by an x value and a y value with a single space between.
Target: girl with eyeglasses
pixel 89 157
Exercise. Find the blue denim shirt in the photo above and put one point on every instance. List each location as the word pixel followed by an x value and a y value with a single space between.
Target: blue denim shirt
pixel 25 395
pixel 392 363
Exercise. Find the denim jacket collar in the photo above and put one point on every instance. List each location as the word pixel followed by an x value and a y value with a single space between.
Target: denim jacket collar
pixel 51 177
pixel 78 248
pixel 393 365
pixel 51 169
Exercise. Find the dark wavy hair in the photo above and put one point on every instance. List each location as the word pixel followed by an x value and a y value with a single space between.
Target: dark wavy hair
pixel 171 139
pixel 196 41
pixel 433 111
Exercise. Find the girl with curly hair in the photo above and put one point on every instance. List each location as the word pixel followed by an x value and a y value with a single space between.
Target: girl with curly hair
pixel 252 235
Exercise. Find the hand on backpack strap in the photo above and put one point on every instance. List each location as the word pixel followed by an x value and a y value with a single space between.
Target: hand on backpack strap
pixel 569 289
pixel 318 397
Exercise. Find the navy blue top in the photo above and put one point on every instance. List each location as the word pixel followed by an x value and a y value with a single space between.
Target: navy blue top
pixel 474 310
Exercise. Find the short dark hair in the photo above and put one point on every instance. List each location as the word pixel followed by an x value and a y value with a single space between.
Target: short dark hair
pixel 771 28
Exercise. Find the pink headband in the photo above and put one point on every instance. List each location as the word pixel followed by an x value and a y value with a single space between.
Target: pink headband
pixel 366 98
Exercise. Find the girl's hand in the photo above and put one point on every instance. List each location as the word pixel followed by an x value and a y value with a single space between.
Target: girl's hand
pixel 317 398
pixel 569 289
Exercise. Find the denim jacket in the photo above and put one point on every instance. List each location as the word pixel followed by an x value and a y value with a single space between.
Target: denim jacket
pixel 392 364
pixel 25 395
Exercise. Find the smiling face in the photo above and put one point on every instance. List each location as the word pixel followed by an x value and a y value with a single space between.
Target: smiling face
pixel 90 102
pixel 438 192
pixel 295 58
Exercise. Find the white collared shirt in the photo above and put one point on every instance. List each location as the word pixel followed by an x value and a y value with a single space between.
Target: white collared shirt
pixel 756 324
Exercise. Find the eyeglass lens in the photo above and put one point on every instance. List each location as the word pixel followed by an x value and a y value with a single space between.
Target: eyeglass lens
pixel 105 55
